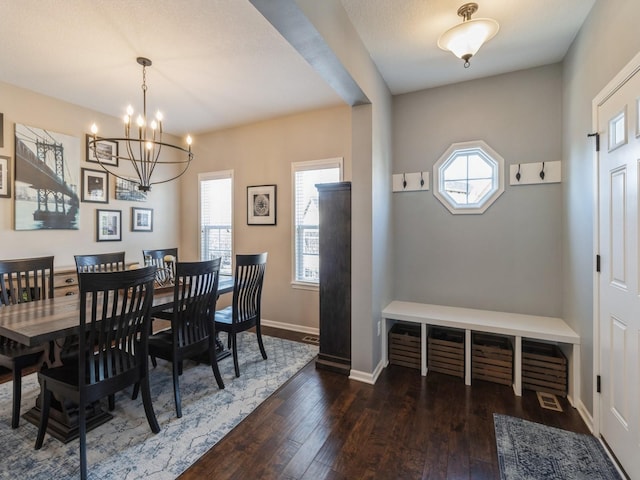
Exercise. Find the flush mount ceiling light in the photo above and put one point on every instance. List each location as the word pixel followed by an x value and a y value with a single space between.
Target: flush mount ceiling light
pixel 142 146
pixel 465 39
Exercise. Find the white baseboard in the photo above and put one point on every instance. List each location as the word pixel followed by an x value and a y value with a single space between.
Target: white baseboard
pixel 586 416
pixel 366 377
pixel 290 326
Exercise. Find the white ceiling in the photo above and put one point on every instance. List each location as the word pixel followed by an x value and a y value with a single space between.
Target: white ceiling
pixel 218 63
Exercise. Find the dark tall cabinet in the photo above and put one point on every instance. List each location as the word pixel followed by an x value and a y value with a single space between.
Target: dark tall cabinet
pixel 335 276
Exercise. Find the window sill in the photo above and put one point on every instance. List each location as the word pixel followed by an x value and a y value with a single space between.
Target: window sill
pixel 305 286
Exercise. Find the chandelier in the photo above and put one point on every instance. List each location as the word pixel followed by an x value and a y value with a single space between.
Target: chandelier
pixel 466 38
pixel 142 146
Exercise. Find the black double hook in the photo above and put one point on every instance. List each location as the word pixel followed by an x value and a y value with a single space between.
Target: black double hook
pixel 518 176
pixel 542 172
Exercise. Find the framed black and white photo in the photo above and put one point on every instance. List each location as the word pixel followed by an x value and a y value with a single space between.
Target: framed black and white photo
pixel 141 219
pixel 107 151
pixel 5 177
pixel 46 179
pixel 95 186
pixel 261 205
pixel 108 225
pixel 128 190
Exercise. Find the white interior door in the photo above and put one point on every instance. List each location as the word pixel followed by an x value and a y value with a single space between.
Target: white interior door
pixel 619 289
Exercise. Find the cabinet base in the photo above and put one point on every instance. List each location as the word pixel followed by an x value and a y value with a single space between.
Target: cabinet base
pixel 332 365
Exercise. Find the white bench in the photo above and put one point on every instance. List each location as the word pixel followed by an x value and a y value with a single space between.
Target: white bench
pixel 516 325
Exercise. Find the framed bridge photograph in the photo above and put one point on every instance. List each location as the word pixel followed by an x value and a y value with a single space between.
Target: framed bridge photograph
pixel 47 179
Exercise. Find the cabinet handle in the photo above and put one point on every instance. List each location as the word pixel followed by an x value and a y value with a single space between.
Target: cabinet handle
pixel 69 280
pixel 69 293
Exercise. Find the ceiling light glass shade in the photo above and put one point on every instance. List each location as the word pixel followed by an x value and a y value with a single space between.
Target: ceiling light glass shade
pixel 467 38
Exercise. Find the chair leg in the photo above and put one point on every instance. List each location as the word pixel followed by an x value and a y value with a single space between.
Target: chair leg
pixel 229 340
pixel 17 394
pixel 136 389
pixel 148 406
pixel 112 402
pixel 260 344
pixel 153 362
pixel 214 366
pixel 234 346
pixel 82 433
pixel 176 387
pixel 45 404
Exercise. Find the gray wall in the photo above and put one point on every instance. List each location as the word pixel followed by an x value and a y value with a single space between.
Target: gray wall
pixel 509 258
pixel 607 41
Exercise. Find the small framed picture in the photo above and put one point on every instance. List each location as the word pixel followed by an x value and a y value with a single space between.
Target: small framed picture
pixel 107 151
pixel 261 205
pixel 95 186
pixel 128 190
pixel 141 219
pixel 5 177
pixel 108 225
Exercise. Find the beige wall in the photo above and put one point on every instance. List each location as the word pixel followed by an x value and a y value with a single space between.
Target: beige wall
pixel 262 154
pixel 26 107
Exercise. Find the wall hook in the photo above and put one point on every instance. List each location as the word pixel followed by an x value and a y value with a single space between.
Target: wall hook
pixel 421 180
pixel 404 181
pixel 518 174
pixel 542 172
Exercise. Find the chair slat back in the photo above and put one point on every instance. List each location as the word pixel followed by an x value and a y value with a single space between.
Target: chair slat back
pixel 157 258
pixel 26 280
pixel 195 296
pixel 101 262
pixel 247 292
pixel 115 320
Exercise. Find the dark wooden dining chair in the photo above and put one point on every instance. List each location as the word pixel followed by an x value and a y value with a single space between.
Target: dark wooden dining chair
pixel 100 262
pixel 244 311
pixel 192 330
pixel 22 280
pixel 113 348
pixel 166 270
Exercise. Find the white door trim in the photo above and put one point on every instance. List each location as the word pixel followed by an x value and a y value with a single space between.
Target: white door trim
pixel 620 79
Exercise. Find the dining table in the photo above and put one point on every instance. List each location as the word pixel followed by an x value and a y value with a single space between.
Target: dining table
pixel 50 322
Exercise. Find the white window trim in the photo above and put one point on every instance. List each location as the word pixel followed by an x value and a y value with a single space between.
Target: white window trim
pixel 297 167
pixel 438 181
pixel 221 174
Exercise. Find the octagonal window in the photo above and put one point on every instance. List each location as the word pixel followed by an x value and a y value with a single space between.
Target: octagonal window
pixel 468 177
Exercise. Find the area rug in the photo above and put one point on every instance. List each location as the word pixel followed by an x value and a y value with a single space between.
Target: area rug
pixel 125 447
pixel 532 451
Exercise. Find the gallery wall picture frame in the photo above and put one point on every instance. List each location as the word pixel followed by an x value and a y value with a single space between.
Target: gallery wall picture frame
pixel 107 150
pixel 141 219
pixel 5 177
pixel 1 130
pixel 47 151
pixel 261 205
pixel 128 190
pixel 95 186
pixel 108 225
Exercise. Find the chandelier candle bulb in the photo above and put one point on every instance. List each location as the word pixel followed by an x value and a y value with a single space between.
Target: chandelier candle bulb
pixel 147 146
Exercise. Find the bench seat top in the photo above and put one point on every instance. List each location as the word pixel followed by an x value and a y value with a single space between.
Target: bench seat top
pixel 529 326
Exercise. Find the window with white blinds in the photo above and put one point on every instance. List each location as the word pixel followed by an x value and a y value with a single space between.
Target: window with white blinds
pixel 305 176
pixel 215 193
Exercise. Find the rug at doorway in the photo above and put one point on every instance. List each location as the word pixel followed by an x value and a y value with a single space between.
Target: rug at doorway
pixel 125 447
pixel 532 451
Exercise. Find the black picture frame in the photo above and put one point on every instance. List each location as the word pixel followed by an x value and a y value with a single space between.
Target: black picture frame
pixel 261 205
pixel 141 219
pixel 5 177
pixel 109 147
pixel 108 225
pixel 95 186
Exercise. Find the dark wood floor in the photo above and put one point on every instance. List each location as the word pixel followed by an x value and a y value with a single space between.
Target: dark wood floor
pixel 321 425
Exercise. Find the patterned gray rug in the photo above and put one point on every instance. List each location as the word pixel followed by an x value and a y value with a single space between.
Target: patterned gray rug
pixel 531 451
pixel 125 448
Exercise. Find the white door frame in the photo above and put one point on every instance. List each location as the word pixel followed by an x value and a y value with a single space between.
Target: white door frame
pixel 612 87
